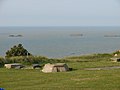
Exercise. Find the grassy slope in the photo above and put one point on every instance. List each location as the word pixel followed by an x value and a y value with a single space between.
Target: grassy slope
pixel 77 79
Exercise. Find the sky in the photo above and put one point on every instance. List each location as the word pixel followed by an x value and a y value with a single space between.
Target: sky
pixel 59 12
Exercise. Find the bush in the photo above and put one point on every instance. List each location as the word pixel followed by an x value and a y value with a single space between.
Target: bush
pixel 18 50
pixel 2 61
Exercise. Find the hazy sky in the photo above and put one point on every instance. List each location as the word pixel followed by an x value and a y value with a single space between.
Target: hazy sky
pixel 59 13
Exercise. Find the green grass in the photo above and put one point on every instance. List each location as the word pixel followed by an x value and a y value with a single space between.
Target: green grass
pixel 78 79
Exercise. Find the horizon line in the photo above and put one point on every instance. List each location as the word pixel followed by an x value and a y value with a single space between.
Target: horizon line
pixel 59 26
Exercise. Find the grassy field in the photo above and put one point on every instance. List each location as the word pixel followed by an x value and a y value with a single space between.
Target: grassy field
pixel 78 79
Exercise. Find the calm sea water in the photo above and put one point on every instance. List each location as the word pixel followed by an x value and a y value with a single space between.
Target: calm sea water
pixel 57 42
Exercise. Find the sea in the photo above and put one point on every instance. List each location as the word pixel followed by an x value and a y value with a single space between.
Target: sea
pixel 59 42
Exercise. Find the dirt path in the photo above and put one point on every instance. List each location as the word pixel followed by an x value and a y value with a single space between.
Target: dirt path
pixel 104 68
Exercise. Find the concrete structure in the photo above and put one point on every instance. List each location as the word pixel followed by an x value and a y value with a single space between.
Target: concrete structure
pixel 115 59
pixel 36 66
pixel 14 65
pixel 58 67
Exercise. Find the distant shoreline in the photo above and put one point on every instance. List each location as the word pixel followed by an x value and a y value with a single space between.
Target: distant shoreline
pixel 111 35
pixel 16 35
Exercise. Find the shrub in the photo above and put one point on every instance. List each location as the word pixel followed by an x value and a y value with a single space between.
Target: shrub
pixel 18 50
pixel 2 61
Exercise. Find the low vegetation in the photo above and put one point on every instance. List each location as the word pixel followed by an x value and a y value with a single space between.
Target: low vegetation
pixel 90 58
pixel 29 60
